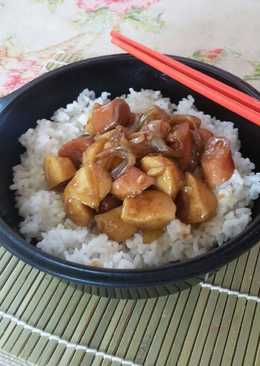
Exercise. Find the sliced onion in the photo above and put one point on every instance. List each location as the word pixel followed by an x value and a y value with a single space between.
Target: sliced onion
pixel 159 145
pixel 123 152
pixel 137 138
pixel 120 169
pixel 158 127
pixel 138 122
pixel 146 142
pixel 129 160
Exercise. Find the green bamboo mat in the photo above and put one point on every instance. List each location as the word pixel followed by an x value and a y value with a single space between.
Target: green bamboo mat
pixel 46 321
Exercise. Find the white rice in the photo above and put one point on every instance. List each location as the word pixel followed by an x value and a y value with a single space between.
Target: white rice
pixel 44 216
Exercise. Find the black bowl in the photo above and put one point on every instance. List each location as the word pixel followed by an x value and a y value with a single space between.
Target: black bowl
pixel 116 74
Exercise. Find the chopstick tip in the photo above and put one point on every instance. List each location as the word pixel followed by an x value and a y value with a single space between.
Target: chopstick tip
pixel 115 31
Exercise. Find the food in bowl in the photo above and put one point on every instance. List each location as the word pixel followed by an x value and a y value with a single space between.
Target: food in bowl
pixel 132 182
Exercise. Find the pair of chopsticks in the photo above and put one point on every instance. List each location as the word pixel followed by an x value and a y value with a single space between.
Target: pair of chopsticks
pixel 230 98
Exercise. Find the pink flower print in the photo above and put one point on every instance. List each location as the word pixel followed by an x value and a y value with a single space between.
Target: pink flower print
pixel 13 81
pixel 117 6
pixel 24 71
pixel 209 56
pixel 27 64
pixel 214 53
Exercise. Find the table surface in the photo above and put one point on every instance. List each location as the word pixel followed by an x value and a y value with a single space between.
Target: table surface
pixel 45 321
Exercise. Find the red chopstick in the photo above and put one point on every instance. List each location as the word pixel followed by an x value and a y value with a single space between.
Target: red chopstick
pixel 205 79
pixel 235 100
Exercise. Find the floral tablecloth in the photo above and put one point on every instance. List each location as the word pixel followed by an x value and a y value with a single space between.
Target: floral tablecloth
pixel 37 35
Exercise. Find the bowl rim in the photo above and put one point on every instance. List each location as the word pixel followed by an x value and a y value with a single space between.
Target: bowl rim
pixel 127 278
